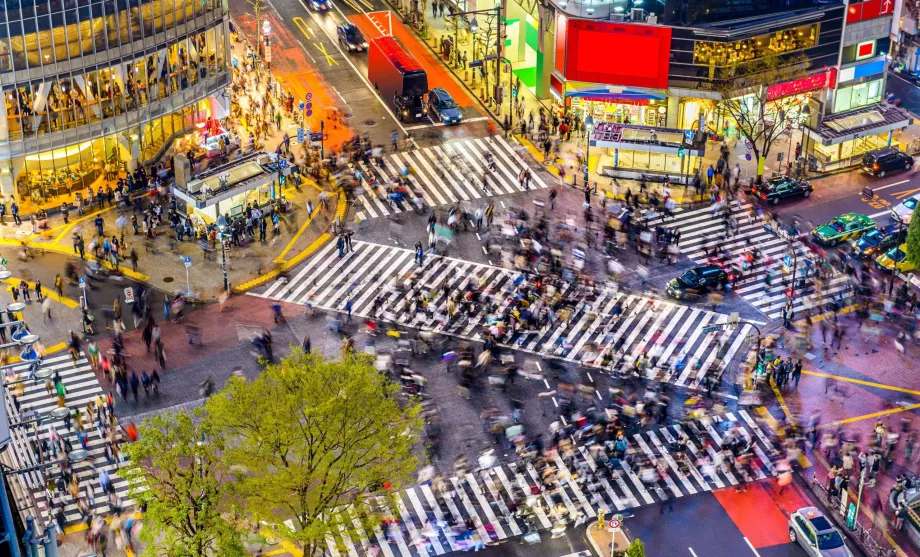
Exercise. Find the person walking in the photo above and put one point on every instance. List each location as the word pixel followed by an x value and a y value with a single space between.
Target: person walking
pixel 419 254
pixel 797 373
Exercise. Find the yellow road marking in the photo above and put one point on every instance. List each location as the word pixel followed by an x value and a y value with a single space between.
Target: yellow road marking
pixel 878 414
pixel 861 382
pixel 353 6
pixel 49 350
pixel 905 193
pixel 303 228
pixel 774 425
pixel 329 59
pixel 826 315
pixel 69 302
pixel 304 28
pixel 368 4
pixel 781 401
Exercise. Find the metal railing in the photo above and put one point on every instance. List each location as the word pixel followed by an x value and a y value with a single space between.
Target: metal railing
pixel 859 533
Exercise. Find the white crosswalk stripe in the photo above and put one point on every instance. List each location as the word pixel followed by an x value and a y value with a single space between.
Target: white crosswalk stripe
pixel 444 174
pixel 646 326
pixel 700 231
pixel 35 405
pixel 483 498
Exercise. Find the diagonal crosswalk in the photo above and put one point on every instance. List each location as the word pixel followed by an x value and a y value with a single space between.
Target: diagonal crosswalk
pixel 377 280
pixel 444 174
pixel 32 423
pixel 586 479
pixel 700 231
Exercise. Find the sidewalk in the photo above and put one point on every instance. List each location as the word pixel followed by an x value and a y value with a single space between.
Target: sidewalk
pixel 601 539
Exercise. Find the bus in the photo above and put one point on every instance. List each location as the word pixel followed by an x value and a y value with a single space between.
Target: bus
pixel 397 77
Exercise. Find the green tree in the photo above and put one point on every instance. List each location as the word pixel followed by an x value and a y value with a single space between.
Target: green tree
pixel 636 549
pixel 177 470
pixel 314 439
pixel 913 242
pixel 744 90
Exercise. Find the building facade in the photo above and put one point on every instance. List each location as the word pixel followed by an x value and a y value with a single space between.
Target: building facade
pixel 94 88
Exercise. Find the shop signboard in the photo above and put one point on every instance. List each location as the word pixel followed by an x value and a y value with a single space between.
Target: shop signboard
pixel 796 86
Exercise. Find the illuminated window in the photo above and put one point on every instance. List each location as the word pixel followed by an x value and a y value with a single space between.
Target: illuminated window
pixel 727 54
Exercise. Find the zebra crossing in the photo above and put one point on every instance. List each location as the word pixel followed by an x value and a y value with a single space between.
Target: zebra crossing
pixel 699 231
pixel 482 498
pixel 32 419
pixel 445 174
pixel 674 334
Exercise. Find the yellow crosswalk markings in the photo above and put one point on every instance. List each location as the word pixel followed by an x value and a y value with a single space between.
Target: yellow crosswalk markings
pixel 329 59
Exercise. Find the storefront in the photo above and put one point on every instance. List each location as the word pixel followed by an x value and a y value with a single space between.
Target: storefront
pixel 230 188
pixel 644 152
pixel 840 140
pixel 619 105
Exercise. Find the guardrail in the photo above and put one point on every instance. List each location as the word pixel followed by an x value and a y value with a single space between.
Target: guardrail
pixel 859 533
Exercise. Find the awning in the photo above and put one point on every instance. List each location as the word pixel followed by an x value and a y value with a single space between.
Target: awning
pixel 853 124
pixel 613 93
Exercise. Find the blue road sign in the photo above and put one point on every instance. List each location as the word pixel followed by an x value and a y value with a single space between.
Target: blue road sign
pixel 299 135
pixel 309 113
pixel 282 163
pixel 301 105
pixel 82 281
pixel 309 105
pixel 688 134
pixel 787 261
pixel 188 259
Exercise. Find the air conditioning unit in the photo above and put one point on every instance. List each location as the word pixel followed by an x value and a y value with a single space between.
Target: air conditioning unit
pixel 637 14
pixel 619 18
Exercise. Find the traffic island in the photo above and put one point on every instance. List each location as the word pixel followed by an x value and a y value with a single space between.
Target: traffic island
pixel 609 543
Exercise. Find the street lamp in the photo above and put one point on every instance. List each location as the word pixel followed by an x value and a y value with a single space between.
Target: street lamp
pixel 589 124
pixel 474 25
pixel 222 227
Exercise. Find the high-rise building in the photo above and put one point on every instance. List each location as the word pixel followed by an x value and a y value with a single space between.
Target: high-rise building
pixel 96 87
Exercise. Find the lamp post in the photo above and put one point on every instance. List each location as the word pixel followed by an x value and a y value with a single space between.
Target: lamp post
pixel 474 26
pixel 222 227
pixel 589 124
pixel 894 268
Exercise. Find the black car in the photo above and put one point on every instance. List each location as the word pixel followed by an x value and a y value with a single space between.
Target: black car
pixel 443 106
pixel 698 280
pixel 781 187
pixel 882 161
pixel 878 241
pixel 351 37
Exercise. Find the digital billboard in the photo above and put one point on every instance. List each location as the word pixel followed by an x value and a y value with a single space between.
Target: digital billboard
pixel 617 54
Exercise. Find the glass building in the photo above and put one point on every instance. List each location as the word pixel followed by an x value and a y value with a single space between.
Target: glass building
pixel 96 87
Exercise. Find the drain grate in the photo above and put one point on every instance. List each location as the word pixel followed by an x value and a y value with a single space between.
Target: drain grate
pixel 168 279
pixel 370 123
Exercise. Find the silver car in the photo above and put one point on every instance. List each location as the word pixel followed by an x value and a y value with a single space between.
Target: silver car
pixel 814 532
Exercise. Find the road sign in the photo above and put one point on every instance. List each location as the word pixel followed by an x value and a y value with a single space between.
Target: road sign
pixel 712 328
pixel 748 144
pixel 129 295
pixel 787 261
pixel 82 281
pixel 309 96
pixel 188 262
pixel 733 319
pixel 302 106
pixel 688 135
pixel 309 105
pixel 309 113
pixel 613 524
pixel 299 135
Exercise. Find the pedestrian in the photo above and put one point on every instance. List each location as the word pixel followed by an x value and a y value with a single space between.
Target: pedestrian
pixel 797 373
pixel 38 291
pixel 340 245
pixel 135 383
pixel 59 285
pixel 133 258
pixel 710 172
pixel 348 310
pixel 587 190
pixel 552 197
pixel 100 223
pixel 419 254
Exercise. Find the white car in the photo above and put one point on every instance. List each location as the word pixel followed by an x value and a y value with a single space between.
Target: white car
pixel 905 209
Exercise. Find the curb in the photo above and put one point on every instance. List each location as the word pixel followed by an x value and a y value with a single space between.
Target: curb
pixel 596 548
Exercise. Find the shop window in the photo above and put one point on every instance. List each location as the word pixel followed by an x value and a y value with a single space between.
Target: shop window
pixel 726 54
pixel 859 95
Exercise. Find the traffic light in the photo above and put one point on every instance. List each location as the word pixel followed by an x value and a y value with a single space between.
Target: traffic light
pixel 282 179
pixel 514 92
pixel 680 152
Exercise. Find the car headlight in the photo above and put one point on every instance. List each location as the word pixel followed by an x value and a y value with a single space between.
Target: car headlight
pixel 364 45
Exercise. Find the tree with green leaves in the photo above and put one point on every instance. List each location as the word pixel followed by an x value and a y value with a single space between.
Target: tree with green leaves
pixel 176 469
pixel 744 89
pixel 319 442
pixel 636 549
pixel 913 242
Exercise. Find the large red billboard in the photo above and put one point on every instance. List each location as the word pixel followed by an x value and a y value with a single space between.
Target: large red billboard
pixel 617 54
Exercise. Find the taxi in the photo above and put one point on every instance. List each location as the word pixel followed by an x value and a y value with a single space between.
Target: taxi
pixel 895 259
pixel 845 227
pixel 813 532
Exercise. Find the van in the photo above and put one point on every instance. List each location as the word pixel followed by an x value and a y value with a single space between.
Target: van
pixel 882 161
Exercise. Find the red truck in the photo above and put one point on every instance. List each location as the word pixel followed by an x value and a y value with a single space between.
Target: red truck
pixel 398 77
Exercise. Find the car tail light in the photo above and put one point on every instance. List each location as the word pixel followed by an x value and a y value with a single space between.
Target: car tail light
pixel 763 196
pixel 875 166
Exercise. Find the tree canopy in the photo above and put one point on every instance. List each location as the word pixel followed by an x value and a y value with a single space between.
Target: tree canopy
pixel 913 242
pixel 177 470
pixel 312 439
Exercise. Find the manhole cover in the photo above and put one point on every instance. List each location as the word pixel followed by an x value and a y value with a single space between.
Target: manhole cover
pixel 168 279
pixel 370 123
pixel 347 115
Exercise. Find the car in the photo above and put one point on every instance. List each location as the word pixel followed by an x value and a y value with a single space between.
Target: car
pixel 878 241
pixel 781 187
pixel 350 36
pixel 845 227
pixel 895 260
pixel 698 280
pixel 881 161
pixel 812 530
pixel 443 106
pixel 905 209
pixel 319 5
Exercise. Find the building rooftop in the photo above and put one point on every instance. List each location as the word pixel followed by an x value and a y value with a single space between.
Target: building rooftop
pixel 862 121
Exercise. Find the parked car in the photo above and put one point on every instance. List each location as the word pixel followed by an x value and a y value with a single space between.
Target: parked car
pixel 895 260
pixel 350 36
pixel 443 106
pixel 905 209
pixel 845 227
pixel 320 5
pixel 697 281
pixel 812 530
pixel 877 241
pixel 782 187
pixel 888 159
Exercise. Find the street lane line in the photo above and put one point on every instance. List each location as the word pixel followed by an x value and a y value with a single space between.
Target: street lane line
pixel 692 552
pixel 751 546
pixel 890 185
